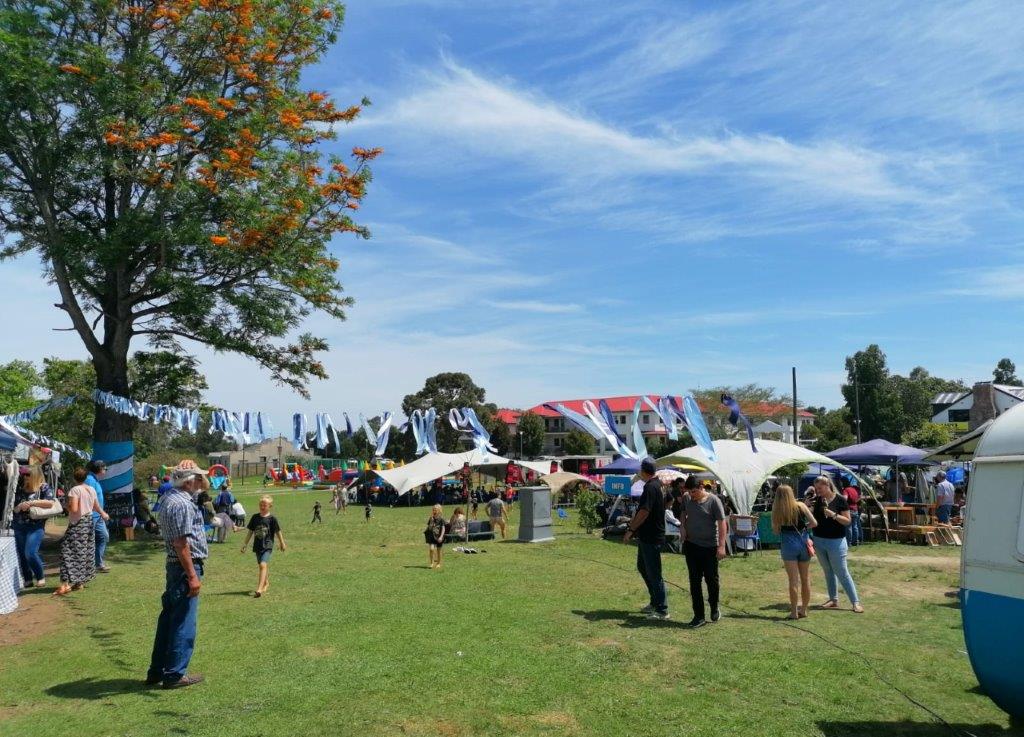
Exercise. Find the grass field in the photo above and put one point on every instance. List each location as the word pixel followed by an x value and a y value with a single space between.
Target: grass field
pixel 358 637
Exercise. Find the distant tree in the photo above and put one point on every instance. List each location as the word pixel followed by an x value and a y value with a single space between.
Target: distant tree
pixel 578 443
pixel 835 431
pixel 532 428
pixel 1006 373
pixel 879 404
pixel 18 382
pixel 655 447
pixel 816 410
pixel 443 392
pixel 501 437
pixel 73 424
pixel 752 398
pixel 808 431
pixel 929 435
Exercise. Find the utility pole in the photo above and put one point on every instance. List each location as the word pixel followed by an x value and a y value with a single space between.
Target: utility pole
pixel 796 432
pixel 856 397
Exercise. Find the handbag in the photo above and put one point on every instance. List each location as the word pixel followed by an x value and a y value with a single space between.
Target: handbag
pixel 39 513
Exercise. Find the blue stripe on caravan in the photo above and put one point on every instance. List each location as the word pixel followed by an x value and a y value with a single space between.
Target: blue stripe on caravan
pixel 995 643
pixel 113 453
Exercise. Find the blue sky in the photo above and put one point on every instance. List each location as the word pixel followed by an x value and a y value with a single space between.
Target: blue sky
pixel 584 199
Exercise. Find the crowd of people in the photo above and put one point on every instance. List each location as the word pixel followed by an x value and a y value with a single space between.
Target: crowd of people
pixel 701 518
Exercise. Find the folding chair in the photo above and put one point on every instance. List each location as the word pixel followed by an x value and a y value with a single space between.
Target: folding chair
pixel 743 534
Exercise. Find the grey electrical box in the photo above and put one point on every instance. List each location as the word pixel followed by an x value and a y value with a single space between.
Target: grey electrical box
pixel 535 515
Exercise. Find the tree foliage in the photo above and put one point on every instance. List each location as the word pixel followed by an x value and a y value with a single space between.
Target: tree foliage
pixel 161 158
pixel 444 392
pixel 834 430
pixel 501 437
pixel 1006 373
pixel 578 443
pixel 929 435
pixel 532 428
pixel 890 404
pixel 18 383
pixel 587 500
pixel 754 400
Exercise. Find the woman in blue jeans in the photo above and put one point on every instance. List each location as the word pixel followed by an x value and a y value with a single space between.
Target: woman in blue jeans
pixel 832 513
pixel 28 533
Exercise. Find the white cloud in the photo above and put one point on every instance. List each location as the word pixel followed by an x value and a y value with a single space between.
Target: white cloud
pixel 546 308
pixel 498 120
pixel 991 282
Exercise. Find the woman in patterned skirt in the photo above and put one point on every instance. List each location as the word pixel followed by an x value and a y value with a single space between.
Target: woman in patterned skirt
pixel 77 547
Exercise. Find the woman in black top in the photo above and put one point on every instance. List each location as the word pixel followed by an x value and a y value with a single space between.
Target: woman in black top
pixel 832 512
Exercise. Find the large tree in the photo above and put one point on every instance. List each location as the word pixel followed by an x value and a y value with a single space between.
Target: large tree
pixel 870 390
pixel 578 443
pixel 161 159
pixel 444 392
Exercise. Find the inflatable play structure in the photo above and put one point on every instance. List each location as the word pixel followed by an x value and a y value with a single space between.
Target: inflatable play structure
pixel 218 476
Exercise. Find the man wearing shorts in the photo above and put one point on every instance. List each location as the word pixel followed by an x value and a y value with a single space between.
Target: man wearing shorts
pixel 498 513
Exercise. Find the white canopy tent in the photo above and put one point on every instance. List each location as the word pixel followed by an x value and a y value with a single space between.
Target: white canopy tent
pixel 741 471
pixel 435 465
pixel 560 479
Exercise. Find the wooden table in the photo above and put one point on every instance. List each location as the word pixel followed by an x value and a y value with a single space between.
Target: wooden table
pixel 899 516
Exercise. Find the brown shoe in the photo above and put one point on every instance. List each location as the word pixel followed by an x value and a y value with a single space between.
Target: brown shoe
pixel 185 681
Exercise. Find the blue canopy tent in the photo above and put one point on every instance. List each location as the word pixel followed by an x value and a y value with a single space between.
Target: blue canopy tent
pixel 880 452
pixel 622 467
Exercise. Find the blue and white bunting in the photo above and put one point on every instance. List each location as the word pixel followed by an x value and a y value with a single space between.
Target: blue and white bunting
pixel 424 430
pixel 735 415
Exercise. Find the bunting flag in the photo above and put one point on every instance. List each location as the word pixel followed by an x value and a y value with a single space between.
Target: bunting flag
pixel 325 425
pixel 735 415
pixel 606 412
pixel 299 431
pixel 348 425
pixel 30 414
pixel 639 445
pixel 42 440
pixel 595 425
pixel 581 421
pixel 669 412
pixel 378 439
pixel 424 430
pixel 465 420
pixel 695 424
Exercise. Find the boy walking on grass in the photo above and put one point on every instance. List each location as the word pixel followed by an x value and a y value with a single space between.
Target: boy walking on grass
pixel 316 513
pixel 263 528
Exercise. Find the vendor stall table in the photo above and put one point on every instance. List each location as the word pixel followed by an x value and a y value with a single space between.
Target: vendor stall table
pixel 10 576
pixel 899 516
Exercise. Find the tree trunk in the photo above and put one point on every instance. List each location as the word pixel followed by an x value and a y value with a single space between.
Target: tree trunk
pixel 112 432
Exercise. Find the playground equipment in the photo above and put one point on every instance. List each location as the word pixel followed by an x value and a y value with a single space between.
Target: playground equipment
pixel 219 476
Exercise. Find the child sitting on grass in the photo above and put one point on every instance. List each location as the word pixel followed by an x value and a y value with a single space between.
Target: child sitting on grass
pixel 263 527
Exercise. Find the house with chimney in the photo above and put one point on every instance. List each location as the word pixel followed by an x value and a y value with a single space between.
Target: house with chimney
pixel 968 410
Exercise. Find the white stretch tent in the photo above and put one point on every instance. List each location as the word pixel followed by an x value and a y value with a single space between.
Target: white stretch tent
pixel 435 465
pixel 557 480
pixel 743 472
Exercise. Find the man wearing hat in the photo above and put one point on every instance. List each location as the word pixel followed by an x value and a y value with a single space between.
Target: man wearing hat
pixel 648 526
pixel 181 524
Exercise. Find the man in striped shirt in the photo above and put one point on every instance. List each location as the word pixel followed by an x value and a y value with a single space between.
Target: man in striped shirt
pixel 181 524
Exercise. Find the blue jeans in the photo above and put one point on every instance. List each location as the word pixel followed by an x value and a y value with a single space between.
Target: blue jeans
pixel 102 538
pixel 943 512
pixel 648 562
pixel 27 539
pixel 176 626
pixel 854 533
pixel 832 556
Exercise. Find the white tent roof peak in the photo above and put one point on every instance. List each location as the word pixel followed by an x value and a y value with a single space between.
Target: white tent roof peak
pixel 740 470
pixel 435 465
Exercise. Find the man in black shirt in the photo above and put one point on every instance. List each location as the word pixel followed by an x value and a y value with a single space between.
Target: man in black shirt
pixel 648 526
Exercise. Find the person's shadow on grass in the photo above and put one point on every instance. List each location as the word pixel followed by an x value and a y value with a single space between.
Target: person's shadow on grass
pixel 93 688
pixel 630 620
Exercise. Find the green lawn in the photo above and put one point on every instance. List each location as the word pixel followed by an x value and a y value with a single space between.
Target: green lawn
pixel 358 637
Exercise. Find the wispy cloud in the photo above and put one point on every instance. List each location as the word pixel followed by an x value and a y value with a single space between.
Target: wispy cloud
pixel 545 308
pixel 991 282
pixel 503 121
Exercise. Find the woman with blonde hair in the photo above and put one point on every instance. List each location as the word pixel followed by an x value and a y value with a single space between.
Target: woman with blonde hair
pixel 434 536
pixel 457 525
pixel 791 520
pixel 832 512
pixel 29 532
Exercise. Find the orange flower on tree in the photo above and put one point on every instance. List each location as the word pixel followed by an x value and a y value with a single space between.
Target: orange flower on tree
pixel 219 240
pixel 70 69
